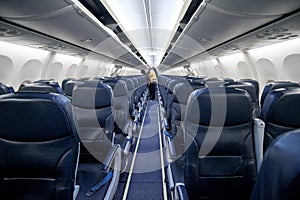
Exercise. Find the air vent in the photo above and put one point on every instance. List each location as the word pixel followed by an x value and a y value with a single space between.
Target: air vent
pixel 8 32
pixel 231 47
pixel 54 46
pixel 280 33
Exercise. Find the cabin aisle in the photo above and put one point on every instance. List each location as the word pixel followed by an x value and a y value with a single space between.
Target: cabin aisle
pixel 146 180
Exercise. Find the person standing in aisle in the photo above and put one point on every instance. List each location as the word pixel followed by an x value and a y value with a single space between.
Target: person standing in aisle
pixel 152 81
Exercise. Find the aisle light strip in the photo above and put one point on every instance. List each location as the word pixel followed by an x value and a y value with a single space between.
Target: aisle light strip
pixel 161 155
pixel 134 158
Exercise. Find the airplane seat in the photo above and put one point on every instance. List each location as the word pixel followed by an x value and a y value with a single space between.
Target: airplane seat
pixel 170 98
pixel 136 91
pixel 130 86
pixel 181 95
pixel 279 175
pixel 228 80
pixel 165 93
pixel 273 86
pixel 281 113
pixel 219 161
pixel 95 124
pixel 254 83
pixel 69 86
pixel 55 85
pixel 94 120
pixel 252 92
pixel 123 121
pixel 38 146
pixel 4 89
pixel 63 83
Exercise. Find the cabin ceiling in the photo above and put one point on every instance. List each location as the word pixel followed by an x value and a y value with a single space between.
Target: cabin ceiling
pixel 203 30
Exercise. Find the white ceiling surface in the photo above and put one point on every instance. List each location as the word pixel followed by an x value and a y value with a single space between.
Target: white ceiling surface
pixel 149 24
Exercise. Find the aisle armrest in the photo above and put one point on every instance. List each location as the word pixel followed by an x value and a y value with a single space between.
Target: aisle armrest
pixel 110 158
pixel 181 193
pixel 259 129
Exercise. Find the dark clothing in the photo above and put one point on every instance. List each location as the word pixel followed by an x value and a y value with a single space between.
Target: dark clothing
pixel 152 90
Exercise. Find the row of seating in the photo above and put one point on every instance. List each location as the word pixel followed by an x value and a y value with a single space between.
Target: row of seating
pixel 216 133
pixel 63 141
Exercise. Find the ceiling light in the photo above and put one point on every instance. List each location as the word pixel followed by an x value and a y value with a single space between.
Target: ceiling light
pixel 86 40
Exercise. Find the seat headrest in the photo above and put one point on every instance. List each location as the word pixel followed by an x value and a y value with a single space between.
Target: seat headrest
pixel 282 107
pixel 182 91
pixel 87 97
pixel 276 85
pixel 63 83
pixel 118 86
pixel 69 86
pixel 253 82
pixel 36 88
pixel 129 83
pixel 244 86
pixel 238 108
pixel 39 117
pixel 5 89
pixel 173 83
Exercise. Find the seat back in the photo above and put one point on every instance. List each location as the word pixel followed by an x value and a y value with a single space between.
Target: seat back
pixel 219 157
pixel 253 82
pixel 93 112
pixel 279 175
pixel 38 131
pixel 276 85
pixel 281 113
pixel 251 91
pixel 120 104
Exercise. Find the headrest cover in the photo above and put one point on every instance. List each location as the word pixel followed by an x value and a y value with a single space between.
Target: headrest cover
pixel 238 107
pixel 282 107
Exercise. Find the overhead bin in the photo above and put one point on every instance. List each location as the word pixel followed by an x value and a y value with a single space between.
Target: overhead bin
pixel 216 22
pixel 68 21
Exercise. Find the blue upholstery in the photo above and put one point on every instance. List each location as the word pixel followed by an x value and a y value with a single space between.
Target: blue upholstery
pixel 69 86
pixel 279 175
pixel 251 91
pixel 4 89
pixel 253 82
pixel 55 85
pixel 276 85
pixel 39 133
pixel 281 112
pixel 219 167
pixel 95 123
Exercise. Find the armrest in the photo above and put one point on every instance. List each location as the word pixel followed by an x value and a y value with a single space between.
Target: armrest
pixel 171 148
pixel 110 157
pixel 259 129
pixel 166 124
pixel 181 192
